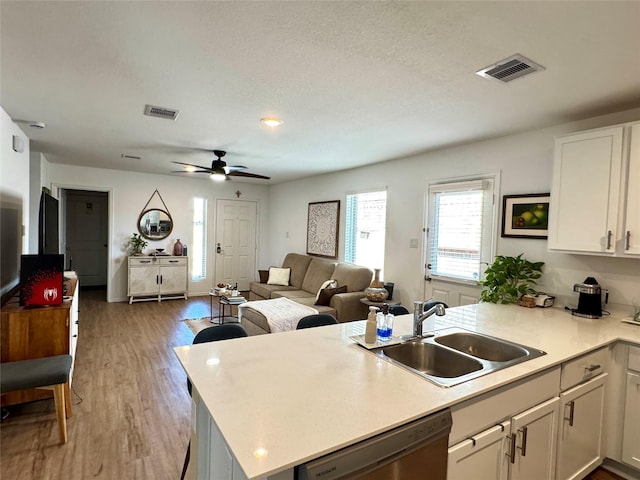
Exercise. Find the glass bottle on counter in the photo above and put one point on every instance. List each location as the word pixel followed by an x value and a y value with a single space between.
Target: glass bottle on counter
pixel 384 324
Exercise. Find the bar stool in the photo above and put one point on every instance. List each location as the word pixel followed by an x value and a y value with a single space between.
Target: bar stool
pixel 46 373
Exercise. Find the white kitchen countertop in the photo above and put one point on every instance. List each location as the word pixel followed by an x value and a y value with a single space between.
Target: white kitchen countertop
pixel 299 395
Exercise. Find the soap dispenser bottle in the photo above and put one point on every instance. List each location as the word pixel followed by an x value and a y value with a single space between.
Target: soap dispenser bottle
pixel 370 329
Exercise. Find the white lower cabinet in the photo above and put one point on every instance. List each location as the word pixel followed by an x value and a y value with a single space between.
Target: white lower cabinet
pixel 580 432
pixel 533 434
pixel 483 456
pixel 521 448
pixel 631 432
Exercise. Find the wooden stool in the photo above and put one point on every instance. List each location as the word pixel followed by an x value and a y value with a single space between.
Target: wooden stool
pixel 47 373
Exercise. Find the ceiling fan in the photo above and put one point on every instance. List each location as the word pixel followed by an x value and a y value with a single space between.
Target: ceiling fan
pixel 219 169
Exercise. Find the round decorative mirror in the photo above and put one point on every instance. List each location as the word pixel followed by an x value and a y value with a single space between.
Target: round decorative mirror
pixel 155 224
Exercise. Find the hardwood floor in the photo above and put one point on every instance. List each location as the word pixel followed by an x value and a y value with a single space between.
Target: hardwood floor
pixel 131 410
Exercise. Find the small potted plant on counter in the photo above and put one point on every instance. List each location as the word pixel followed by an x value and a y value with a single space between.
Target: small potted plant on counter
pixel 509 279
pixel 137 243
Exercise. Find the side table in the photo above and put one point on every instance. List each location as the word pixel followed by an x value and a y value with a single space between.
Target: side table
pixel 223 301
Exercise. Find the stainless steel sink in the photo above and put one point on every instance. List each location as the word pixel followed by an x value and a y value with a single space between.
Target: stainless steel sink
pixel 480 346
pixel 454 355
pixel 432 359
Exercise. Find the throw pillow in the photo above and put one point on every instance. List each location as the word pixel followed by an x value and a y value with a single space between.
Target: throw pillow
pixel 279 276
pixel 264 276
pixel 325 294
pixel 328 284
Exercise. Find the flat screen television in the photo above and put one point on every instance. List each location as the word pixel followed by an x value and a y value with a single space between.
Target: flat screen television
pixel 48 238
pixel 10 245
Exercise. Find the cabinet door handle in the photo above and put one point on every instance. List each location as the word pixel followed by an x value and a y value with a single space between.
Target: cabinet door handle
pixel 523 447
pixel 160 279
pixel 608 239
pixel 572 407
pixel 590 369
pixel 157 279
pixel 627 240
pixel 512 451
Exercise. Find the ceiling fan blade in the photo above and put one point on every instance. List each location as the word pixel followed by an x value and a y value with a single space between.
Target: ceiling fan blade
pixel 235 168
pixel 187 164
pixel 247 174
pixel 192 171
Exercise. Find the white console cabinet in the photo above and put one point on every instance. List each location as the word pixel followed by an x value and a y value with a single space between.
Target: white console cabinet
pixel 595 206
pixel 157 278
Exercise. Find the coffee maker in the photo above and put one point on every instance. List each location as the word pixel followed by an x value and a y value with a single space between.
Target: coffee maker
pixel 589 299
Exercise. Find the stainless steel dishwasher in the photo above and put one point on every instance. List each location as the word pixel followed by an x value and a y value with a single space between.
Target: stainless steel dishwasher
pixel 415 450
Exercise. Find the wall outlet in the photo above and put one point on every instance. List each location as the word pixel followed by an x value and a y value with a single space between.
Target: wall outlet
pixel 413 243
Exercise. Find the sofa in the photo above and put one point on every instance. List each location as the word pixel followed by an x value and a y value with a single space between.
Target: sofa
pixel 307 276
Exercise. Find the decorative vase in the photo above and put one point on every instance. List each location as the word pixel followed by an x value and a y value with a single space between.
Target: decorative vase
pixel 376 291
pixel 177 249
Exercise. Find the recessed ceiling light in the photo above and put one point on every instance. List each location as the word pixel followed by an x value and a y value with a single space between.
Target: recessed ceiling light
pixel 271 121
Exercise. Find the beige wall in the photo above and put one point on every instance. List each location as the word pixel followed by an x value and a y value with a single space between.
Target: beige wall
pixel 525 164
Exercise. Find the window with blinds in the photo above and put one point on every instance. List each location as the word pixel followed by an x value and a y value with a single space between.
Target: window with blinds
pixel 365 228
pixel 198 251
pixel 460 231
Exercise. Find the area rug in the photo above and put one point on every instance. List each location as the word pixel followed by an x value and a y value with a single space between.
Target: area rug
pixel 197 324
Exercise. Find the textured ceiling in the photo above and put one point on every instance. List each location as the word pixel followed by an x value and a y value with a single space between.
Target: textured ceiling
pixel 355 82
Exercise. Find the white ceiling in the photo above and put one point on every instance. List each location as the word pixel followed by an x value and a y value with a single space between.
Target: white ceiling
pixel 355 82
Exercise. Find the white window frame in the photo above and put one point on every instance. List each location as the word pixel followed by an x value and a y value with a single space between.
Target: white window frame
pixel 192 248
pixel 379 265
pixel 490 228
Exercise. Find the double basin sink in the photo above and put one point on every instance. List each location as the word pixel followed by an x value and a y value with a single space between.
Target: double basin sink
pixel 451 356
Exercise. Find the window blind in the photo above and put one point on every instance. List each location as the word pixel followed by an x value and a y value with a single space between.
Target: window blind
pixel 459 235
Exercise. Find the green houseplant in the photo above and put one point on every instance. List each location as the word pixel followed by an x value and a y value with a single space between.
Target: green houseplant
pixel 137 243
pixel 509 278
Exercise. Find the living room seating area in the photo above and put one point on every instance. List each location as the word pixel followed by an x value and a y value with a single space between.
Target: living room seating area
pixel 307 284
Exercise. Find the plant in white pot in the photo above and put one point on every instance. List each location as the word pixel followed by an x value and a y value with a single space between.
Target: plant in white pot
pixel 507 279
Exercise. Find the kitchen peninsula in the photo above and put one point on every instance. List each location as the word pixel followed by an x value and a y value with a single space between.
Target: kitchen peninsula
pixel 264 404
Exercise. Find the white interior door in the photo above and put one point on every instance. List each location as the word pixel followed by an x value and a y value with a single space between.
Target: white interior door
pixel 86 236
pixel 235 242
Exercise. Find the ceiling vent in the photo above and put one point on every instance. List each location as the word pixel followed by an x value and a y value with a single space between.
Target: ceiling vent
pixel 510 68
pixel 161 112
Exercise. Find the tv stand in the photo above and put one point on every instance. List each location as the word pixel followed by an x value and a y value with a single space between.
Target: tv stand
pixel 35 332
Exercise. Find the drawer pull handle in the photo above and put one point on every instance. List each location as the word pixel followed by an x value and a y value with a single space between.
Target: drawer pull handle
pixel 173 261
pixel 473 441
pixel 588 370
pixel 145 261
pixel 523 447
pixel 572 407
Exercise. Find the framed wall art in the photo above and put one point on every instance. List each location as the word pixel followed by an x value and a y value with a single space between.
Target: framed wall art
pixel 525 216
pixel 323 221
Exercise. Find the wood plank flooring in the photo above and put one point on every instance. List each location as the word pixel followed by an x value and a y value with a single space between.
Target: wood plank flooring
pixel 131 410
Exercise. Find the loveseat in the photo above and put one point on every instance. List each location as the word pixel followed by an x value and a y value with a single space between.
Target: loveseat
pixel 306 277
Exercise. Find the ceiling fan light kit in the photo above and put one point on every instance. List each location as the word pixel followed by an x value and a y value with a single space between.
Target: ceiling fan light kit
pixel 219 169
pixel 271 121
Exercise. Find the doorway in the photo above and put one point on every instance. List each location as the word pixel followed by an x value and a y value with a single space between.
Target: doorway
pixel 235 242
pixel 85 235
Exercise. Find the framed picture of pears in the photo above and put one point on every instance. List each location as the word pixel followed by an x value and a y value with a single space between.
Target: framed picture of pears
pixel 525 216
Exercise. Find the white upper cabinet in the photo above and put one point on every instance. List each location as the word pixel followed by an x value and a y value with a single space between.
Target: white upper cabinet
pixel 595 201
pixel 632 215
